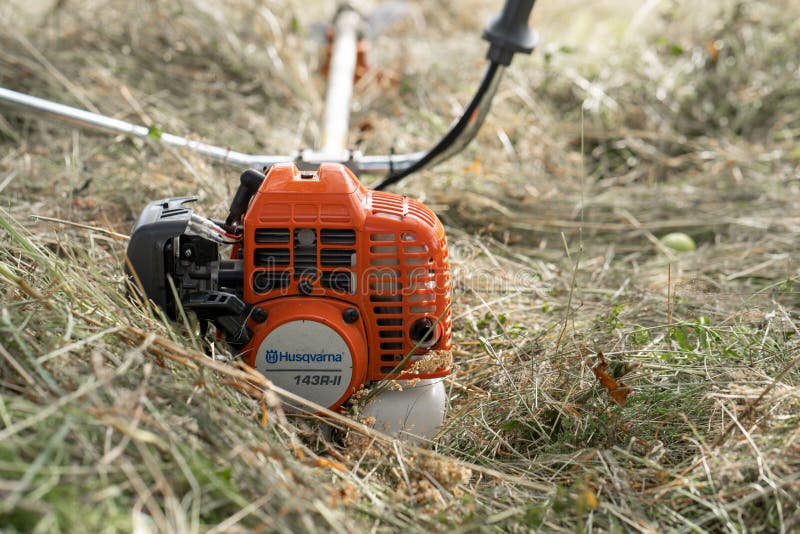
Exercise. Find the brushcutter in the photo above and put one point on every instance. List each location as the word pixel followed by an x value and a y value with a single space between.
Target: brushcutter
pixel 324 285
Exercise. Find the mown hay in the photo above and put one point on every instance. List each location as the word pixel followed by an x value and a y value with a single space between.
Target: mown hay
pixel 630 122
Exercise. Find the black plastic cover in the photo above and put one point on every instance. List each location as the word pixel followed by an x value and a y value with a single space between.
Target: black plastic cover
pixel 226 311
pixel 160 222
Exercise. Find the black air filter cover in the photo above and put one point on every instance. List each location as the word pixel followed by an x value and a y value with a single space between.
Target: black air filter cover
pixel 149 249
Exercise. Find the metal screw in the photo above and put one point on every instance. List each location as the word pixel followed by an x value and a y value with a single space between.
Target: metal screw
pixel 259 315
pixel 350 315
pixel 305 286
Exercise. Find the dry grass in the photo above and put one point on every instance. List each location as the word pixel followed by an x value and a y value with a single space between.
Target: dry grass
pixel 682 119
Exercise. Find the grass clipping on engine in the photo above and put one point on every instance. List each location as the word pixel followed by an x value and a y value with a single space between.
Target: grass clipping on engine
pixel 685 120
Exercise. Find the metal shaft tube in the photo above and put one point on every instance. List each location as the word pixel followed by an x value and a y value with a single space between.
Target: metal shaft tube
pixel 336 119
pixel 94 121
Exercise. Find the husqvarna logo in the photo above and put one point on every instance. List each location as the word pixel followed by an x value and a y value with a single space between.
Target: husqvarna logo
pixel 275 356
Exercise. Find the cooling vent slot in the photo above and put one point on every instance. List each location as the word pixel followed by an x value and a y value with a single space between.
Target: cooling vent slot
pixel 388 205
pixel 173 212
pixel 388 310
pixel 341 282
pixel 335 236
pixel 399 334
pixel 272 235
pixel 305 253
pixel 417 210
pixel 336 257
pixel 272 257
pixel 386 298
pixel 269 280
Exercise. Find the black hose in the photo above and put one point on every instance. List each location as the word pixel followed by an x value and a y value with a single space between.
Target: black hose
pixel 486 87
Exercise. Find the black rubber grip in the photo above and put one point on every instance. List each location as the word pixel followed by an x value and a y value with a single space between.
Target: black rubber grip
pixel 249 182
pixel 509 33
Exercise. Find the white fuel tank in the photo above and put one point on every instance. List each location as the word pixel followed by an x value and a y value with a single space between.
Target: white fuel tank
pixel 414 413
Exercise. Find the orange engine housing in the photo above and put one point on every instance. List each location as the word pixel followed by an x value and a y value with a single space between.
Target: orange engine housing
pixel 341 269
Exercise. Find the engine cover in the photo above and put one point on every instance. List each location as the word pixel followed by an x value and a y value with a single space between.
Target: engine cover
pixel 328 287
pixel 319 246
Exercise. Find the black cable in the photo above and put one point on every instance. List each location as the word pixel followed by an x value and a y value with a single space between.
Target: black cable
pixel 455 132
